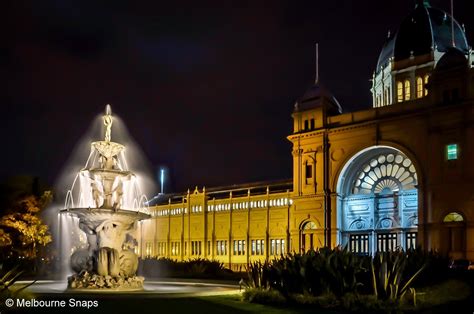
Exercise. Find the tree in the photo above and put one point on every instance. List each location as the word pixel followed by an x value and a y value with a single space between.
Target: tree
pixel 21 228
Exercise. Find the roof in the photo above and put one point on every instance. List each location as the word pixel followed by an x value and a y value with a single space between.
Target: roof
pixel 425 29
pixel 237 190
pixel 318 95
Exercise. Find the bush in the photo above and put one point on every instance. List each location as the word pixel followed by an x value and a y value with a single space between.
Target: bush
pixel 326 301
pixel 263 296
pixel 389 276
pixel 258 274
pixel 336 271
pixel 8 280
pixel 435 263
pixel 195 268
pixel 360 303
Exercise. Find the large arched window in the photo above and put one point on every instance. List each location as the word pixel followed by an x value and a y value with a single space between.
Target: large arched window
pixel 399 91
pixel 419 87
pixel 385 174
pixel 407 90
pixel 378 201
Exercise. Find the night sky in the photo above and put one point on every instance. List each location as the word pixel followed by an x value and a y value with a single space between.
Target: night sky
pixel 206 88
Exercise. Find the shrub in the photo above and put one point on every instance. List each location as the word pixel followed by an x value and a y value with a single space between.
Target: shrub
pixel 258 275
pixel 8 280
pixel 389 278
pixel 195 268
pixel 327 300
pixel 326 270
pixel 263 296
pixel 434 263
pixel 360 303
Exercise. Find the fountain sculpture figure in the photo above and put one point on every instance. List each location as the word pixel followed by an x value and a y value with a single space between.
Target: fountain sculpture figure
pixel 108 211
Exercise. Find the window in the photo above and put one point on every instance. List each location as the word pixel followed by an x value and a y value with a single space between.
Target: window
pixel 312 124
pixel 258 247
pixel 208 247
pixel 399 91
pixel 453 217
pixel 306 126
pixel 387 173
pixel 309 171
pixel 239 247
pixel 386 242
pixel 161 249
pixel 196 247
pixel 452 151
pixel 148 249
pixel 221 247
pixel 419 87
pixel 410 241
pixel 359 243
pixel 407 90
pixel 426 83
pixel 387 96
pixel 277 246
pixel 175 248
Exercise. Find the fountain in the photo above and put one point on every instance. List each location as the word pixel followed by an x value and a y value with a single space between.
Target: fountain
pixel 109 206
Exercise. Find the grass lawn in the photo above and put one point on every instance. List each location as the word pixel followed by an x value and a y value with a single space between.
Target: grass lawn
pixel 130 304
pixel 451 296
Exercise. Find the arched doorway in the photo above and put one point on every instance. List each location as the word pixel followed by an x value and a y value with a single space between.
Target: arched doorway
pixel 454 235
pixel 378 201
pixel 308 236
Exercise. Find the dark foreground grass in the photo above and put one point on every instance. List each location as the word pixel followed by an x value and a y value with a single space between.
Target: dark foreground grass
pixel 451 296
pixel 134 304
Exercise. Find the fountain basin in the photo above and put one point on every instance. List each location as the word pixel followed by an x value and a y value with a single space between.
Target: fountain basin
pixel 95 216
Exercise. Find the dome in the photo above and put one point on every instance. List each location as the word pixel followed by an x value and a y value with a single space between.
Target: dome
pixel 318 95
pixel 424 29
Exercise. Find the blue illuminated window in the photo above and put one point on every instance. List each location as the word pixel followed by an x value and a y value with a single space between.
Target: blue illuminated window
pixel 452 151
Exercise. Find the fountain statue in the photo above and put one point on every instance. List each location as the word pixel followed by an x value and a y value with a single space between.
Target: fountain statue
pixel 110 205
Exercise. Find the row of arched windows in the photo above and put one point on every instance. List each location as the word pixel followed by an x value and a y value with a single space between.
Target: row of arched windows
pixel 404 88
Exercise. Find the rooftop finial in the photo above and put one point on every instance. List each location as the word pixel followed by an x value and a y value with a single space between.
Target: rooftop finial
pixel 108 123
pixel 316 80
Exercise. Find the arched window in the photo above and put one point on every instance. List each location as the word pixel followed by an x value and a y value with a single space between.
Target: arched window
pixel 399 91
pixel 407 90
pixel 426 82
pixel 453 217
pixel 307 236
pixel 419 87
pixel 386 174
pixel 310 225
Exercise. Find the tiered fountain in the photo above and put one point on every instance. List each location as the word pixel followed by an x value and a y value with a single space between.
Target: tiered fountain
pixel 109 206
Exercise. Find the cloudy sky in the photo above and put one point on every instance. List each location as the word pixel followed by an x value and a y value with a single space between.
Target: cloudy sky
pixel 206 88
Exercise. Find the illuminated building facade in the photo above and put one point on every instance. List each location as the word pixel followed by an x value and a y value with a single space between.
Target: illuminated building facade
pixel 389 177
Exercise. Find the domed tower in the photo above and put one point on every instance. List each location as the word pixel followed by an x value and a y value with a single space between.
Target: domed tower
pixel 409 55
